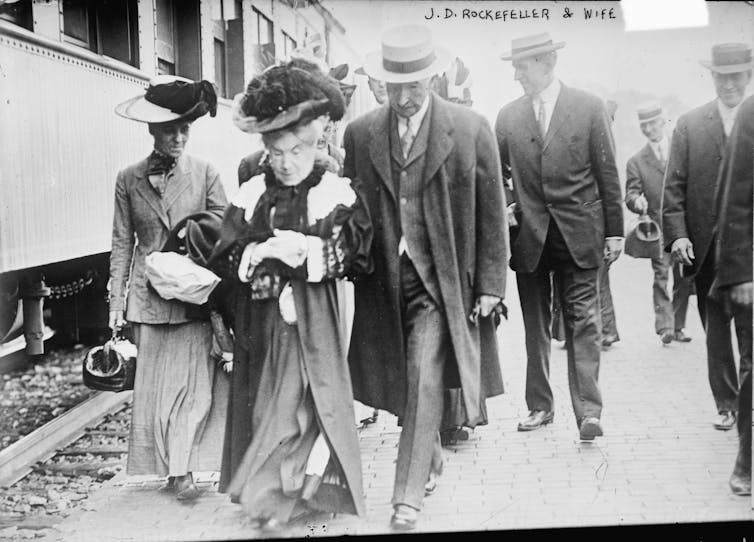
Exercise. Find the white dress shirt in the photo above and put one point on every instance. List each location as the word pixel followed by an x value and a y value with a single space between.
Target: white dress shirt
pixel 415 121
pixel 660 149
pixel 549 96
pixel 728 115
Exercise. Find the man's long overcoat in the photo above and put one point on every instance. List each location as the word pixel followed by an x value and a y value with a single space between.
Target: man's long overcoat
pixel 463 203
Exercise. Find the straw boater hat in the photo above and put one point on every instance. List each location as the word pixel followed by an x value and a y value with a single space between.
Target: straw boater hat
pixel 170 98
pixel 729 58
pixel 648 111
pixel 528 46
pixel 407 55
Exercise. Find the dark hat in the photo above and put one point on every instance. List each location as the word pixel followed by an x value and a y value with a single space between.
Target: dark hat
pixel 644 240
pixel 168 99
pixel 729 58
pixel 287 95
pixel 195 236
pixel 537 44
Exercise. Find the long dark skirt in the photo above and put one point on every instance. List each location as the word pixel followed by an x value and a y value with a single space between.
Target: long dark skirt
pixel 179 402
pixel 269 479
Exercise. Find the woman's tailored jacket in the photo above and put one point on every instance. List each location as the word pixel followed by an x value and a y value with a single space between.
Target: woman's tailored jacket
pixel 142 222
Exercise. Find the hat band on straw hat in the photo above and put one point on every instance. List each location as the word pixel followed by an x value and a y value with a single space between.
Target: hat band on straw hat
pixel 519 50
pixel 723 58
pixel 409 66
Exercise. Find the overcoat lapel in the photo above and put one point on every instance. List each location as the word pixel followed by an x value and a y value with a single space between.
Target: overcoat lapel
pixel 560 114
pixel 714 127
pixel 439 142
pixel 528 120
pixel 379 148
pixel 178 184
pixel 144 188
pixel 651 158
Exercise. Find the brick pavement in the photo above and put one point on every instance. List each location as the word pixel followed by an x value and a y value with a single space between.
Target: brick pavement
pixel 660 460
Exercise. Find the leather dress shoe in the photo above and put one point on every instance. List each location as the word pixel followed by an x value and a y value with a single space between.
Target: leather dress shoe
pixel 404 517
pixel 740 483
pixel 589 428
pixel 725 421
pixel 535 420
pixel 667 337
pixel 449 437
pixel 681 337
pixel 430 488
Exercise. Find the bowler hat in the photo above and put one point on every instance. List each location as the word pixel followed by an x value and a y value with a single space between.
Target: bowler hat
pixel 528 46
pixel 644 239
pixel 408 54
pixel 729 58
pixel 170 98
pixel 648 111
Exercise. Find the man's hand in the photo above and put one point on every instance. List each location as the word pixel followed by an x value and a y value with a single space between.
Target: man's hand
pixel 116 320
pixel 741 294
pixel 512 215
pixel 641 205
pixel 613 249
pixel 682 251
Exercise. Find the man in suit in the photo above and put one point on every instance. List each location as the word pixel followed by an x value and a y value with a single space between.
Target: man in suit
pixel 688 214
pixel 566 217
pixel 733 276
pixel 431 178
pixel 645 171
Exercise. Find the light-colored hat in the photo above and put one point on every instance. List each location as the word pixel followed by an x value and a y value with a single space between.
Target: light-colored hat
pixel 407 55
pixel 729 58
pixel 170 98
pixel 537 44
pixel 649 111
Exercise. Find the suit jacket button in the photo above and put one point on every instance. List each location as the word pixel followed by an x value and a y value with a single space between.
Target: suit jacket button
pixel 404 201
pixel 403 174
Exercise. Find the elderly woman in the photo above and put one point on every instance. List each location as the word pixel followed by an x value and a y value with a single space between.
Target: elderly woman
pixel 179 397
pixel 290 444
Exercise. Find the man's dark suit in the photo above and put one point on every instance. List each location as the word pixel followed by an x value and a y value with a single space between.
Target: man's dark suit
pixel 411 332
pixel 568 200
pixel 689 211
pixel 734 255
pixel 644 176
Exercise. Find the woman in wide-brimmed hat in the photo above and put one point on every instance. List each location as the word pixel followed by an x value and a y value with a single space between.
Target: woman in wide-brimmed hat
pixel 179 395
pixel 288 235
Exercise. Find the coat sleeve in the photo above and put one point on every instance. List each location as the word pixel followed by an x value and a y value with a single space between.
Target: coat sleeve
pixel 676 182
pixel 349 161
pixel 602 151
pixel 216 199
pixel 734 242
pixel 122 245
pixel 491 222
pixel 634 185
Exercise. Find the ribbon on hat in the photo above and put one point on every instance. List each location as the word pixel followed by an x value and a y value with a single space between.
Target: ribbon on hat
pixel 182 96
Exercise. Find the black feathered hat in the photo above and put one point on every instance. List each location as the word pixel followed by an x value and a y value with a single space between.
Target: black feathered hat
pixel 285 96
pixel 170 98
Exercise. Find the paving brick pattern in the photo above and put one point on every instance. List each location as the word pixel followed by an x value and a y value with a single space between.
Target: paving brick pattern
pixel 660 461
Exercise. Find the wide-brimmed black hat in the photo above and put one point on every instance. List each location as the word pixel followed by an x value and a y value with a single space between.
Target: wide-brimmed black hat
pixel 169 98
pixel 285 96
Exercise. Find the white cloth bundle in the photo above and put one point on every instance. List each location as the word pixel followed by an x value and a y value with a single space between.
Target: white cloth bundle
pixel 174 276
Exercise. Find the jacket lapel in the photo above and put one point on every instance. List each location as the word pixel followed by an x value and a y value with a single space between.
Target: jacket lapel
pixel 419 146
pixel 560 114
pixel 439 141
pixel 651 158
pixel 528 120
pixel 379 148
pixel 714 126
pixel 178 183
pixel 144 188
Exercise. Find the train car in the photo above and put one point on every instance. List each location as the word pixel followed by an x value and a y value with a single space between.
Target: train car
pixel 64 65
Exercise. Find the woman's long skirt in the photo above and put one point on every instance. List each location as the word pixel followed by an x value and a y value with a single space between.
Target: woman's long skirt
pixel 179 403
pixel 270 477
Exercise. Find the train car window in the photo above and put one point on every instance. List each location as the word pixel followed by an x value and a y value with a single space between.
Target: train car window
pixel 289 44
pixel 262 47
pixel 218 32
pixel 107 27
pixel 227 31
pixel 18 13
pixel 178 42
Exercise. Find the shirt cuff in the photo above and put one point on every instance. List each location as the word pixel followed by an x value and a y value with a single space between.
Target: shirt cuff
pixel 245 264
pixel 315 259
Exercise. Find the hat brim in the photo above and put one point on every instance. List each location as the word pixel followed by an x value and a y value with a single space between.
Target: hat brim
pixel 730 68
pixel 510 55
pixel 140 110
pixel 650 119
pixel 373 68
pixel 301 112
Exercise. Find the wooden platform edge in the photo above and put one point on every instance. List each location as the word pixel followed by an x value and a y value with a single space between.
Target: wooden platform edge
pixel 17 459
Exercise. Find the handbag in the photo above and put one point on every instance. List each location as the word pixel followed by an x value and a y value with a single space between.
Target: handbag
pixel 112 366
pixel 644 239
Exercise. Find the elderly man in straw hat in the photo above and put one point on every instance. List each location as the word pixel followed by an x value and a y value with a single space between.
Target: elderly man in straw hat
pixel 688 215
pixel 566 218
pixel 645 171
pixel 432 180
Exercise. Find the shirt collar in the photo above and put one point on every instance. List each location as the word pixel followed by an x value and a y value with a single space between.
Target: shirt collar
pixel 550 93
pixel 416 118
pixel 725 111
